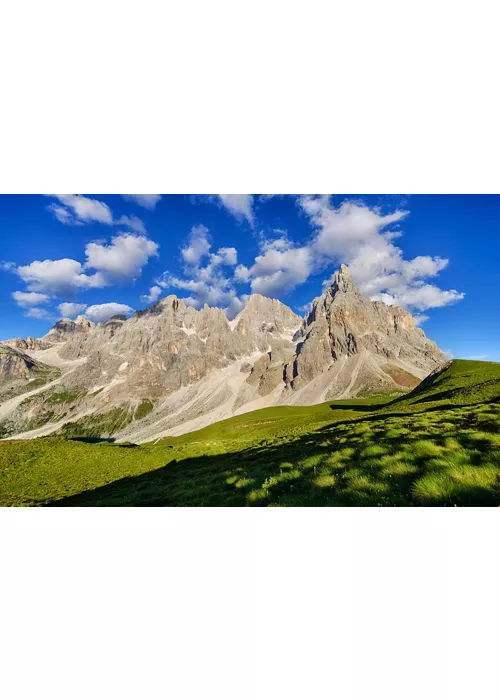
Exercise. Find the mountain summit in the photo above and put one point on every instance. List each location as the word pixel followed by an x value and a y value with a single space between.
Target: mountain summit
pixel 171 368
pixel 351 345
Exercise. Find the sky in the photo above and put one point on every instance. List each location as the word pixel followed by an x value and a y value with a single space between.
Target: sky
pixel 99 255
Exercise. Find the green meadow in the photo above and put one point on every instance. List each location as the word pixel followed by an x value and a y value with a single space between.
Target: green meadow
pixel 438 445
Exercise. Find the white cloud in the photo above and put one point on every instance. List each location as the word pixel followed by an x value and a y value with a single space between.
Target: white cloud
pixel 63 215
pixel 422 297
pixel 27 299
pixel 363 238
pixel 278 272
pixel 228 256
pixel 420 318
pixel 29 302
pixel 198 245
pixel 103 312
pixel 239 205
pixel 241 274
pixel 359 236
pixel 236 305
pixel 132 222
pixel 154 294
pixel 57 277
pixel 76 210
pixel 41 314
pixel 342 231
pixel 206 282
pixel 121 260
pixel 79 209
pixel 305 308
pixel 478 357
pixel 70 309
pixel 148 201
pixel 280 268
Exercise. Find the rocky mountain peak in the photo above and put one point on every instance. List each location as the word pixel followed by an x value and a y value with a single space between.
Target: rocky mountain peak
pixel 195 366
pixel 262 313
pixel 66 327
pixel 342 282
pixel 84 322
pixel 379 343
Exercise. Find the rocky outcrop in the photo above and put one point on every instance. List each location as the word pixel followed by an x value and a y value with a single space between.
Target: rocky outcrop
pixel 343 324
pixel 29 343
pixel 64 329
pixel 194 366
pixel 19 372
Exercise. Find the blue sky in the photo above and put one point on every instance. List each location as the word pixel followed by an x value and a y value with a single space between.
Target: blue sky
pixel 102 254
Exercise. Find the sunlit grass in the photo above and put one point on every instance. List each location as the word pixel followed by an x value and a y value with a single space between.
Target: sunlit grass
pixel 314 456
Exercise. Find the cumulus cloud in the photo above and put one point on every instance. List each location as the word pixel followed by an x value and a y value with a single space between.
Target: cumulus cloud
pixel 132 222
pixel 280 267
pixel 420 318
pixel 122 259
pixel 305 308
pixel 77 209
pixel 203 276
pixel 41 314
pixel 28 299
pixel 362 237
pixel 70 309
pixel 241 274
pixel 63 215
pixel 103 312
pixel 239 205
pixel 235 305
pixel 148 201
pixel 154 295
pixel 57 277
pixel 198 245
pixel 226 256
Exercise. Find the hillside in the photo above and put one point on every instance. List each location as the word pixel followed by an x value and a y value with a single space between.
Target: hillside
pixel 438 445
pixel 459 382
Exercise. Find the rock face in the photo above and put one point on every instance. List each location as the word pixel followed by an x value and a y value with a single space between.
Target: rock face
pixel 350 341
pixel 64 329
pixel 29 344
pixel 18 370
pixel 192 367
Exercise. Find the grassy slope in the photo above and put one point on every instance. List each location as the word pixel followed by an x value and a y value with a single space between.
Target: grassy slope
pixel 439 445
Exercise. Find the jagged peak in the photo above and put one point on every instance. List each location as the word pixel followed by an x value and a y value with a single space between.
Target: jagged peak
pixel 259 303
pixel 84 321
pixel 342 281
pixel 257 298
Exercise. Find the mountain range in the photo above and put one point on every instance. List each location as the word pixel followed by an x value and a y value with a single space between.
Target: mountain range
pixel 171 369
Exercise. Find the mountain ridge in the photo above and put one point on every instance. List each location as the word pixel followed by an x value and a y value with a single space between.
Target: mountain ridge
pixel 194 367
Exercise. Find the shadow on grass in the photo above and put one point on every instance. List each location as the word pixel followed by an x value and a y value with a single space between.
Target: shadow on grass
pixel 100 440
pixel 362 408
pixel 329 467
